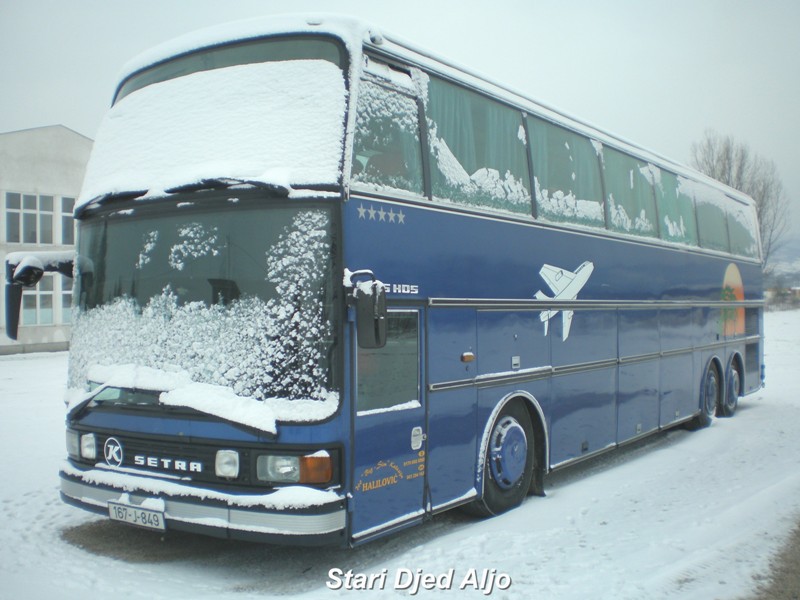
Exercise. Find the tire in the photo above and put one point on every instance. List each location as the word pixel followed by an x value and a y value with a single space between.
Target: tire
pixel 508 462
pixel 733 389
pixel 710 397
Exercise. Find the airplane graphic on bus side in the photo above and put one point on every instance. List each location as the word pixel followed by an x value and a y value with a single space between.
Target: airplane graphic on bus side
pixel 565 285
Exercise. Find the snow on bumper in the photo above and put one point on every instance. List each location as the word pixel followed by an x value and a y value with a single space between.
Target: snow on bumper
pixel 288 512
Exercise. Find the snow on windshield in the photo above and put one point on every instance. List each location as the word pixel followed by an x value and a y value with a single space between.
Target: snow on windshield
pixel 249 359
pixel 247 121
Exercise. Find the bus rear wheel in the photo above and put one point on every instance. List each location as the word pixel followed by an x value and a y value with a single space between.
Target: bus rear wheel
pixel 507 462
pixel 730 401
pixel 710 397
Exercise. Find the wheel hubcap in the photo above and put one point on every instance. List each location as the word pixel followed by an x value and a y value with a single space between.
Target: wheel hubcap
pixel 733 392
pixel 508 453
pixel 712 391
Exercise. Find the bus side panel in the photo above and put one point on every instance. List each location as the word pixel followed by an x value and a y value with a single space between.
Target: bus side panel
pixel 677 376
pixel 584 408
pixel 584 416
pixel 637 396
pixel 452 445
pixel 637 400
pixel 678 388
pixel 510 341
pixel 452 430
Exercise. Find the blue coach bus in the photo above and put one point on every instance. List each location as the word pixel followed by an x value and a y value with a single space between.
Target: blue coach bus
pixel 327 285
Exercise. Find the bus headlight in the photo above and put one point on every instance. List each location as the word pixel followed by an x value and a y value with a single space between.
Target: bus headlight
pixel 73 444
pixel 88 446
pixel 227 464
pixel 312 468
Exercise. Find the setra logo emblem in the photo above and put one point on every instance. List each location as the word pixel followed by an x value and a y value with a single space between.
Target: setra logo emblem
pixel 112 450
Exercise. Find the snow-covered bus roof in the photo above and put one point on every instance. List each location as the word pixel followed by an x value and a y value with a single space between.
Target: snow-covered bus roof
pixel 350 30
pixel 357 34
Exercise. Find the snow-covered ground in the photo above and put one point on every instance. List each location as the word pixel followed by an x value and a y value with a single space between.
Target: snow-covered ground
pixel 683 515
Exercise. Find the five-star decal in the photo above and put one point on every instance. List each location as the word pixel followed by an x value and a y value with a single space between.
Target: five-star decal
pixel 391 216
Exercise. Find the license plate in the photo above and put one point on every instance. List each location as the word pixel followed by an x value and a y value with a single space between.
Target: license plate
pixel 143 517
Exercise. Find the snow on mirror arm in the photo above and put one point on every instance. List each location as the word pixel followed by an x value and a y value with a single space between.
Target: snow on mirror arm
pixel 369 299
pixel 25 270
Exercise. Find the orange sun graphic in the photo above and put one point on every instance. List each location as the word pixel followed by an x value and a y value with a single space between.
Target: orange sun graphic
pixel 732 290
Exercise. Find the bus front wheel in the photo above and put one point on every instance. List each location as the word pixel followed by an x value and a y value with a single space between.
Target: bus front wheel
pixel 507 462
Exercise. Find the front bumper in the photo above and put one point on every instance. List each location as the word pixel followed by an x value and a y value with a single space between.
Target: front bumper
pixel 297 515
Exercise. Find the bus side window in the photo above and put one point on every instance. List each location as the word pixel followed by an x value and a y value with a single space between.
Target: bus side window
pixel 676 210
pixel 742 229
pixel 389 376
pixel 566 169
pixel 712 222
pixel 629 194
pixel 387 150
pixel 478 150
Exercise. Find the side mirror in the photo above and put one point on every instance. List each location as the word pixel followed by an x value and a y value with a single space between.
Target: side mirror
pixel 26 274
pixel 26 271
pixel 369 298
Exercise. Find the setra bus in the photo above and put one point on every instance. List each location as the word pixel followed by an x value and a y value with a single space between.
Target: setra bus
pixel 328 285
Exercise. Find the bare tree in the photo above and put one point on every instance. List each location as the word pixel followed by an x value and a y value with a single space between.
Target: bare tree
pixel 732 163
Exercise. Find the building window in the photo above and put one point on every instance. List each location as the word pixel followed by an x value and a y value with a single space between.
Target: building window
pixel 30 219
pixel 13 208
pixel 67 222
pixel 37 304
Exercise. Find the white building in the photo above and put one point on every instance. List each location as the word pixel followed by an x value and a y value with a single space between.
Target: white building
pixel 41 172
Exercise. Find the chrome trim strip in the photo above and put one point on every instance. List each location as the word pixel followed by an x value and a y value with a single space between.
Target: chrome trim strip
pixel 468 497
pixel 587 456
pixel 549 304
pixel 543 372
pixel 393 524
pixel 582 367
pixel 212 515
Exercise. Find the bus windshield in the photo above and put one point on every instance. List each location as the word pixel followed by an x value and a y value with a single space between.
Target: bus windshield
pixel 238 299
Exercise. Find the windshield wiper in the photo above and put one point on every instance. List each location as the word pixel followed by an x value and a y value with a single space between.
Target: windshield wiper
pixel 84 402
pixel 221 183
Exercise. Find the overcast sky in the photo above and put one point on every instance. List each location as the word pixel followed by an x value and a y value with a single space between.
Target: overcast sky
pixel 658 73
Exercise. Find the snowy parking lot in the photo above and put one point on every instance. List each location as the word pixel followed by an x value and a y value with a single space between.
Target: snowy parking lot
pixel 683 515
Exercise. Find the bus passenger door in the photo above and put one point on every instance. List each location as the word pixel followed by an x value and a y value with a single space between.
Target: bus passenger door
pixel 390 449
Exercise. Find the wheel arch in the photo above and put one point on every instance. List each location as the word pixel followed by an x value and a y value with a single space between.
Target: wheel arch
pixel 721 371
pixel 541 439
pixel 736 361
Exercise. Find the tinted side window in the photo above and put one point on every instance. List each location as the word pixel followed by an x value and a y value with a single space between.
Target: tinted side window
pixel 387 150
pixel 712 222
pixel 477 150
pixel 629 193
pixel 676 208
pixel 742 229
pixel 566 173
pixel 389 376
